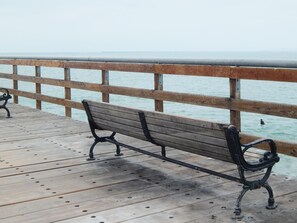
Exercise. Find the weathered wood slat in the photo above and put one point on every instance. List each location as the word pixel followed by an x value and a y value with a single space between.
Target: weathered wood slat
pixel 131 67
pixel 194 99
pixel 157 115
pixel 50 99
pixel 268 108
pixel 254 73
pixel 121 120
pixel 54 82
pixel 194 147
pixel 251 73
pixel 188 127
pixel 196 137
pixel 155 123
pixel 191 140
pixel 168 129
pixel 190 143
pixel 5 75
pixel 120 128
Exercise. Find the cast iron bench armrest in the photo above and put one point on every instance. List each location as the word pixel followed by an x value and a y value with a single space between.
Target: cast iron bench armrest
pixel 5 94
pixel 269 157
pixel 5 97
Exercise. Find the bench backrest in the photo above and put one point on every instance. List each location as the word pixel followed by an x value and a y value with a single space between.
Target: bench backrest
pixel 191 135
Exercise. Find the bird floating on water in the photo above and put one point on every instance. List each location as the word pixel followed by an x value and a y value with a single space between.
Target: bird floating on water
pixel 262 122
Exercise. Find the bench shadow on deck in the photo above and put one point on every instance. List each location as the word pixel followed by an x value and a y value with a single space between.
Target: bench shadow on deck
pixel 45 178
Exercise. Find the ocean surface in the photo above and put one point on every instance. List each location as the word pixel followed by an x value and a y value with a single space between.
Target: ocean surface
pixel 275 127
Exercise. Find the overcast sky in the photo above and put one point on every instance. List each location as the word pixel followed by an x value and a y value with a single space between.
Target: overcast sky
pixel 147 25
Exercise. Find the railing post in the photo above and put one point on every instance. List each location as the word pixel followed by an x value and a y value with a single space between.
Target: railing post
pixel 158 85
pixel 67 79
pixel 105 81
pixel 15 83
pixel 38 87
pixel 235 118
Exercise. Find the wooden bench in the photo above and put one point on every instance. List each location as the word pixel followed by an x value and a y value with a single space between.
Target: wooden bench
pixel 214 140
pixel 4 98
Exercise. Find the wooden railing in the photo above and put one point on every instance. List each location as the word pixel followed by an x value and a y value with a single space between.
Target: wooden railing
pixel 233 70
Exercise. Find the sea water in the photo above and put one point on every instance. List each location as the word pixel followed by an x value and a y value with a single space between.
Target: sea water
pixel 279 92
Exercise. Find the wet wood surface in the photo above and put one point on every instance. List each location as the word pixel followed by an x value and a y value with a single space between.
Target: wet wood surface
pixel 45 178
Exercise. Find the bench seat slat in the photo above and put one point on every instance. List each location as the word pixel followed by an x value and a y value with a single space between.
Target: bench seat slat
pixel 206 153
pixel 108 117
pixel 120 128
pixel 195 137
pixel 179 134
pixel 159 115
pixel 198 148
pixel 174 125
pixel 203 150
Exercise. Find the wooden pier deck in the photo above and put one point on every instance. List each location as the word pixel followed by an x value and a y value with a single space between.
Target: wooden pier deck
pixel 44 177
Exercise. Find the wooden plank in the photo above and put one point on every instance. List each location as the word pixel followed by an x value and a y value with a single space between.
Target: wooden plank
pixel 120 128
pixel 5 76
pixel 168 129
pixel 117 66
pixel 158 86
pixel 254 73
pixel 40 63
pixel 235 118
pixel 159 204
pixel 249 73
pixel 152 121
pixel 105 81
pixel 38 86
pixel 188 126
pixel 268 108
pixel 220 208
pixel 158 115
pixel 15 83
pixel 89 200
pixel 55 82
pixel 184 134
pixel 196 148
pixel 49 99
pixel 193 143
pixel 67 90
pixel 61 155
pixel 107 117
pixel 75 197
pixel 187 98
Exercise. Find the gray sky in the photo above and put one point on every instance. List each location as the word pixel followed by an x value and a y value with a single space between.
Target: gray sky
pixel 147 25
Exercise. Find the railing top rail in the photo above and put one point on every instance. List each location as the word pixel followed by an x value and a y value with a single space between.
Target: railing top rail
pixel 212 62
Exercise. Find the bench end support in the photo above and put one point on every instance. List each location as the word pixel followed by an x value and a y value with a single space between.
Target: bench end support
pixel 118 151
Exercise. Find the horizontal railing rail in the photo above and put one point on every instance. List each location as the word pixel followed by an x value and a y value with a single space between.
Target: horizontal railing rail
pixel 280 71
